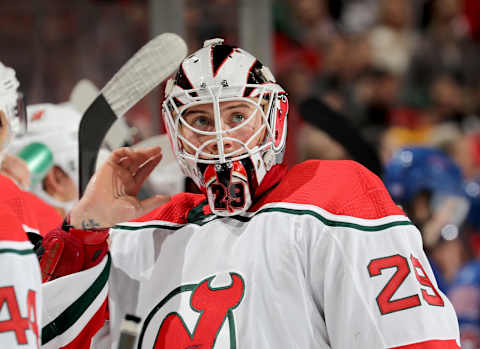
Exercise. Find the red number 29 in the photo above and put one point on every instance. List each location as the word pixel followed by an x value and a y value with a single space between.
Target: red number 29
pixel 384 298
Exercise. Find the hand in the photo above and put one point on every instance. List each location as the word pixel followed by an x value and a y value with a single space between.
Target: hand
pixel 111 194
pixel 17 169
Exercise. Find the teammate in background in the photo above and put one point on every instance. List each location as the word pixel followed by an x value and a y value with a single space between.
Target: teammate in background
pixel 430 188
pixel 42 215
pixel 20 281
pixel 51 150
pixel 315 257
pixel 35 215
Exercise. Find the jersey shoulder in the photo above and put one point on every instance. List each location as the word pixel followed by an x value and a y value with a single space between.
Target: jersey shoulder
pixel 47 217
pixel 176 210
pixel 10 226
pixel 9 189
pixel 15 199
pixel 341 187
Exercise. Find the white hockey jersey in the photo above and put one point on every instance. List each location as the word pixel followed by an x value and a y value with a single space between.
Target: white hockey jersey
pixel 20 285
pixel 323 260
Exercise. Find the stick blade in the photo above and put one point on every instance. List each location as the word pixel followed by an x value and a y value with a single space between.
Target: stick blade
pixel 152 64
pixel 145 70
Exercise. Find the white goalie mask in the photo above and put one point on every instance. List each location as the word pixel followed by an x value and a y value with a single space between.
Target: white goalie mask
pixel 226 118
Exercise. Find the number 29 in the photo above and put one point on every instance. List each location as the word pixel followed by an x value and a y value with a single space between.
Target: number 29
pixel 384 298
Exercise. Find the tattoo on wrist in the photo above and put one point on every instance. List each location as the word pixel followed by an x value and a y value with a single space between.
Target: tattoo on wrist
pixel 89 224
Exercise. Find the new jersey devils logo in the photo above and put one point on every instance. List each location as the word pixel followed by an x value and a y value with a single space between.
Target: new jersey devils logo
pixel 213 314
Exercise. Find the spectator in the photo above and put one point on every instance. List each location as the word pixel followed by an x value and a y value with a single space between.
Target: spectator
pixel 393 40
pixel 444 48
pixel 429 186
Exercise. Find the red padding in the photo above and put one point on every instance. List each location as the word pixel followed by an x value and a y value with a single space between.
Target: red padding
pixel 433 344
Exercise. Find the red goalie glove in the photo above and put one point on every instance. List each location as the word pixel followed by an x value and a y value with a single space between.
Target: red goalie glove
pixel 66 250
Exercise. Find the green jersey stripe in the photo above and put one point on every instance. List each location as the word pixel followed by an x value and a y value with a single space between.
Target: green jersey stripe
pixel 70 315
pixel 332 223
pixel 17 251
pixel 130 227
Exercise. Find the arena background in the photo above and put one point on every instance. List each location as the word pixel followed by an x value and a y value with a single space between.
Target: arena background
pixel 364 77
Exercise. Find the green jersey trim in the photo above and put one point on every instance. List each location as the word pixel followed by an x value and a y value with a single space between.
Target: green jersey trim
pixel 17 251
pixel 70 315
pixel 204 219
pixel 147 226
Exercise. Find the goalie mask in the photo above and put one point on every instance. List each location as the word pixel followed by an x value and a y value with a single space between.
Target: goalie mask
pixel 226 119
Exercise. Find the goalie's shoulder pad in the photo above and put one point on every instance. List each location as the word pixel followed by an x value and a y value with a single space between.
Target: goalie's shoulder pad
pixel 176 210
pixel 342 187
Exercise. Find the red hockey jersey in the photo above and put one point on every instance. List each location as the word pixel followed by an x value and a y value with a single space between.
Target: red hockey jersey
pixel 35 215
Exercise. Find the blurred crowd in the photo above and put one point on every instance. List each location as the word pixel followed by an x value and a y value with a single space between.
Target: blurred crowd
pixel 398 70
pixel 393 84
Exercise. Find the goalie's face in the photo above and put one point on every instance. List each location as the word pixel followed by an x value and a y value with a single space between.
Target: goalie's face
pixel 230 131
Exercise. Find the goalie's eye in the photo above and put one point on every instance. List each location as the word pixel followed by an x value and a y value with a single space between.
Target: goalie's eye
pixel 200 121
pixel 238 118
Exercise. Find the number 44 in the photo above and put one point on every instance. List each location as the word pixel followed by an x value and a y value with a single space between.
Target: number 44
pixel 384 298
pixel 17 323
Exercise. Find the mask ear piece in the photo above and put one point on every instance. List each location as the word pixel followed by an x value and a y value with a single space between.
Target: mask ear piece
pixel 280 121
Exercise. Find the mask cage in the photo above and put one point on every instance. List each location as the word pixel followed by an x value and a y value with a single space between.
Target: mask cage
pixel 176 104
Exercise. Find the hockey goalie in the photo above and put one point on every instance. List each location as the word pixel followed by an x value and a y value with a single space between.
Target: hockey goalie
pixel 318 256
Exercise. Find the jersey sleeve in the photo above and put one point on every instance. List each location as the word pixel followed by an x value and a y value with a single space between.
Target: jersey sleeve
pixel 465 296
pixel 371 277
pixel 373 282
pixel 75 307
pixel 20 285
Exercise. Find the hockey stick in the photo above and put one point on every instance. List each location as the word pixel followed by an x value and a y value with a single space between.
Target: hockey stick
pixel 148 67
